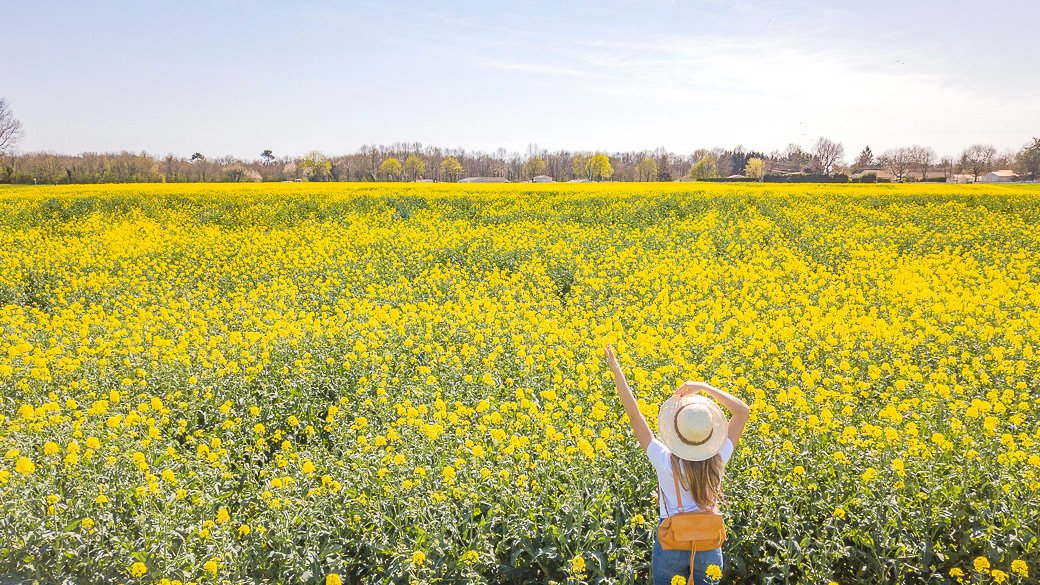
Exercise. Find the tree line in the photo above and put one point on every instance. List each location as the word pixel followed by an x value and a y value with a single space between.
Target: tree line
pixel 414 162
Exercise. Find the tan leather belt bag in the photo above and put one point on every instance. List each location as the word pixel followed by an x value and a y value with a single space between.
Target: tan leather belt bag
pixel 692 531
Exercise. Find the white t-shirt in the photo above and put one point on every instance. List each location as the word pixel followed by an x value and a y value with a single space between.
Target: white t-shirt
pixel 660 458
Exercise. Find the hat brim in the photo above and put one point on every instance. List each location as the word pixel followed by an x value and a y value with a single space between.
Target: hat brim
pixel 670 436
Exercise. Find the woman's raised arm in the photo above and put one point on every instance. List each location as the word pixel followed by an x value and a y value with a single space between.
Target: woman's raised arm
pixel 635 417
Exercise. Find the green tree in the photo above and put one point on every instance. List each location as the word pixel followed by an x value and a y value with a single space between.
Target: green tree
pixel 451 168
pixel 390 169
pixel 1028 160
pixel 754 169
pixel 580 165
pixel 706 168
pixel 599 167
pixel 414 167
pixel 534 166
pixel 267 156
pixel 315 166
pixel 647 169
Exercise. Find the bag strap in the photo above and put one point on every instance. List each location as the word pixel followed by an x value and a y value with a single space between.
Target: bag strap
pixel 678 495
pixel 693 553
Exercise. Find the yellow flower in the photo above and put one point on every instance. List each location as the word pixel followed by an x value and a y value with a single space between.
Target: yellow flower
pixel 223 515
pixel 308 466
pixel 470 557
pixel 839 513
pixel 899 466
pixel 244 530
pixel 714 572
pixel 24 466
pixel 678 580
pixel 1020 567
pixel 418 558
pixel 87 524
pixel 869 475
pixel 999 576
pixel 333 579
pixel 981 564
pixel 51 448
pixel 138 569
pixel 578 565
pixel 211 566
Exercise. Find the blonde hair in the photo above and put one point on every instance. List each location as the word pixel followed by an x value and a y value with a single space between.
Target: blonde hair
pixel 703 479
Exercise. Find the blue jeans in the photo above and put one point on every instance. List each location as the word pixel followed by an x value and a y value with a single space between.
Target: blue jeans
pixel 666 564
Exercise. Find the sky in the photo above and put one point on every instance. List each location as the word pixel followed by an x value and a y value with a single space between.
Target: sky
pixel 234 78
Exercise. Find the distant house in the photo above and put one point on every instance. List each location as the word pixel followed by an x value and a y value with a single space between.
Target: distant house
pixel 484 180
pixel 877 172
pixel 579 181
pixel 1004 176
pixel 424 180
pixel 736 177
pixel 961 178
pixel 542 179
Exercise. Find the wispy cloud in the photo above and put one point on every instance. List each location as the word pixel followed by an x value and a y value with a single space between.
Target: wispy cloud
pixel 783 87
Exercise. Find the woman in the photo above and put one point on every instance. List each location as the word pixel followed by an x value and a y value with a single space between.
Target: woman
pixel 696 442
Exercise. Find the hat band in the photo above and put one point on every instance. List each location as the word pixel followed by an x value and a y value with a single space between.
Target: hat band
pixel 679 434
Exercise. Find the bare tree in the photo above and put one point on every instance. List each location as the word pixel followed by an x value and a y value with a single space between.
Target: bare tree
pixel 828 153
pixel 898 161
pixel 10 127
pixel 977 159
pixel 924 158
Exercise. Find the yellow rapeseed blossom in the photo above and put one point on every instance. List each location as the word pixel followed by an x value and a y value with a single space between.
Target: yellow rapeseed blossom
pixel 578 565
pixel 24 466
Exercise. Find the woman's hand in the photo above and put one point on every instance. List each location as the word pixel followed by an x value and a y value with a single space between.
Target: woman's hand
pixel 611 360
pixel 690 386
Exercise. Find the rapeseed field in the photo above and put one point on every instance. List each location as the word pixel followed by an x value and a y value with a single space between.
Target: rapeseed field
pixel 358 383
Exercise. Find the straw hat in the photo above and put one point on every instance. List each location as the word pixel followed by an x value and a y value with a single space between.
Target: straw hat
pixel 692 426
